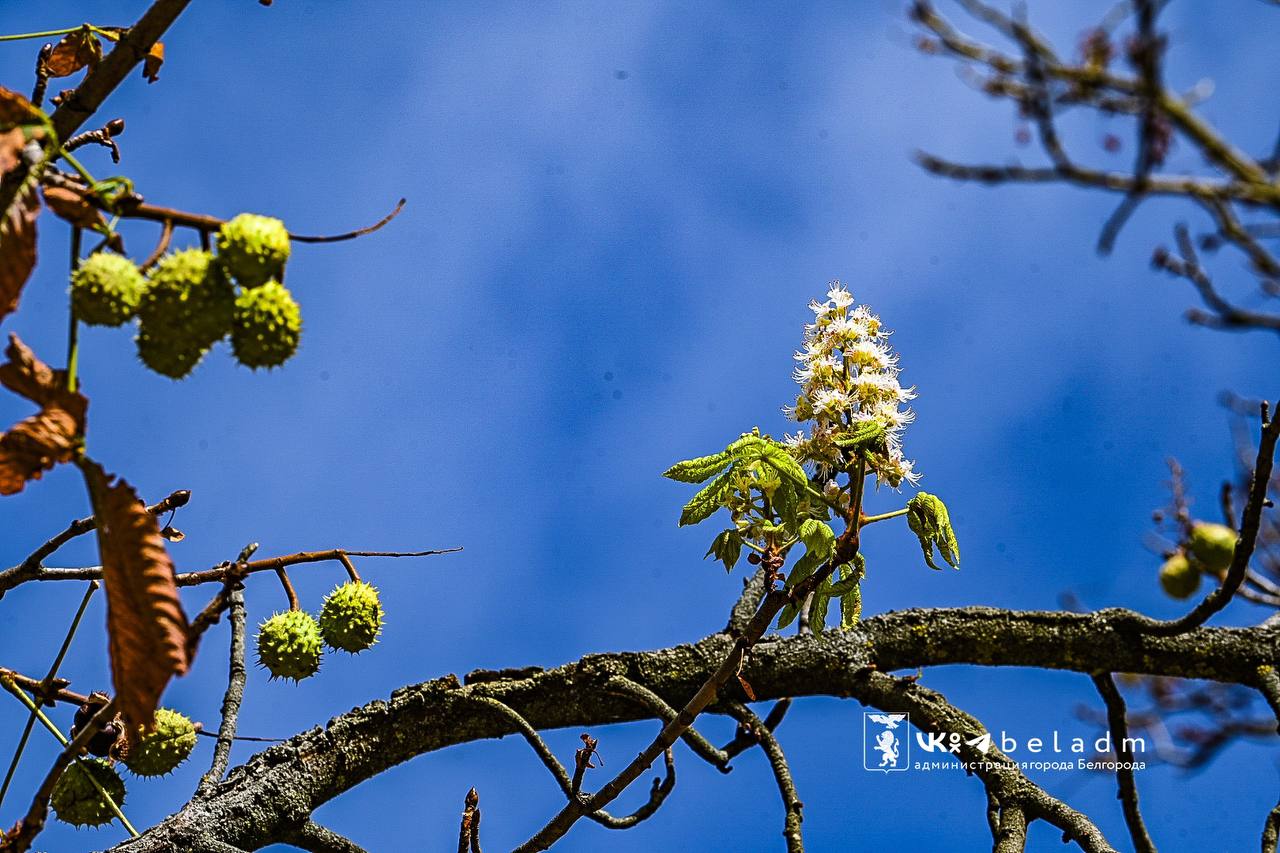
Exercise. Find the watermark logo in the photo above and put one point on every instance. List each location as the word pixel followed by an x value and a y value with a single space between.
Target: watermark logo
pixel 885 745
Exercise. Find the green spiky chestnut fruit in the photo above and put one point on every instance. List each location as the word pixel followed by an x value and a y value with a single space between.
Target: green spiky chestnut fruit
pixel 266 326
pixel 106 289
pixel 189 297
pixel 289 645
pixel 254 248
pixel 1179 577
pixel 162 749
pixel 1213 545
pixel 168 354
pixel 77 801
pixel 351 618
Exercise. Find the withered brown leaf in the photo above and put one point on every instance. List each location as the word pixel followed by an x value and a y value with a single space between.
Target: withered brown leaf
pixel 72 206
pixel 75 51
pixel 16 109
pixel 11 144
pixel 17 249
pixel 146 627
pixel 28 376
pixel 33 446
pixel 47 438
pixel 152 62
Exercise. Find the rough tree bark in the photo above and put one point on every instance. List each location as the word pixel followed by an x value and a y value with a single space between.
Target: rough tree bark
pixel 275 792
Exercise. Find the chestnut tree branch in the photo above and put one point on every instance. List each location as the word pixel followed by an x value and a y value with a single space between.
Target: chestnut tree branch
pixel 263 799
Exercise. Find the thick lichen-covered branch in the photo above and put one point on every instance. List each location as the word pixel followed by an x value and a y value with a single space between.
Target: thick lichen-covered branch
pixel 277 789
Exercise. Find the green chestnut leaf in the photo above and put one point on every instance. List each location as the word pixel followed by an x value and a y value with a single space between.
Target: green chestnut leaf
pixel 698 470
pixel 818 538
pixel 928 519
pixel 704 504
pixel 726 547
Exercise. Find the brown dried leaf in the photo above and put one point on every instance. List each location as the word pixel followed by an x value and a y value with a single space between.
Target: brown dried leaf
pixel 16 109
pixel 75 51
pixel 28 376
pixel 72 206
pixel 152 62
pixel 47 438
pixel 146 627
pixel 34 446
pixel 17 249
pixel 11 144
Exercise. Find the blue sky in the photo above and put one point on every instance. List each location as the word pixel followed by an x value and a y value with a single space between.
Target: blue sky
pixel 616 216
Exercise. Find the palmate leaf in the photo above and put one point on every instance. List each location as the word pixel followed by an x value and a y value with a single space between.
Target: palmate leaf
pixel 819 605
pixel 864 435
pixel 757 448
pixel 704 504
pixel 804 567
pixel 700 469
pixel 818 538
pixel 778 458
pixel 748 450
pixel 726 547
pixel 849 590
pixel 746 447
pixel 928 519
pixel 787 505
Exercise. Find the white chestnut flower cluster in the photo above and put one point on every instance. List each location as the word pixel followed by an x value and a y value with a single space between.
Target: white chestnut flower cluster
pixel 848 375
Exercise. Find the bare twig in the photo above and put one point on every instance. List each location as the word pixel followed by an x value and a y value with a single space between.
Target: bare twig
pixel 1187 186
pixel 162 246
pixel 46 688
pixel 351 235
pixel 10 578
pixel 232 577
pixel 1222 314
pixel 232 698
pixel 930 711
pixel 557 769
pixel 469 832
pixel 57 688
pixel 77 106
pixel 33 822
pixel 315 838
pixel 132 206
pixel 582 757
pixel 1249 525
pixel 1128 794
pixel 42 75
pixel 273 563
pixel 134 45
pixel 1038 80
pixel 701 747
pixel 791 804
pixel 1145 54
pixel 104 136
pixel 744 739
pixel 289 592
pixel 846 549
pixel 32 567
